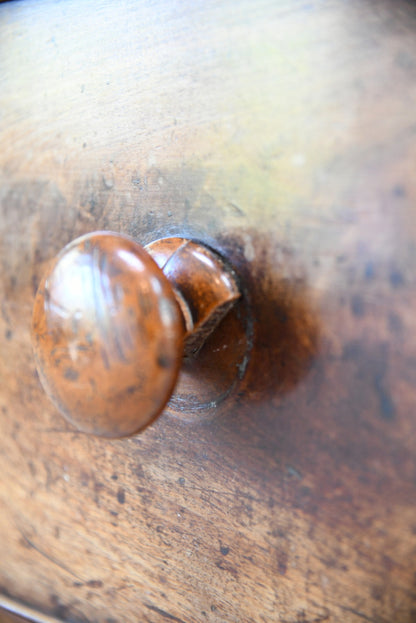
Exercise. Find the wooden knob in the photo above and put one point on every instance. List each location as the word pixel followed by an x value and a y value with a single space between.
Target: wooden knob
pixel 109 326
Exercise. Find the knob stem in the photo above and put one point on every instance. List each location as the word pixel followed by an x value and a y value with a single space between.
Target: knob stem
pixel 204 286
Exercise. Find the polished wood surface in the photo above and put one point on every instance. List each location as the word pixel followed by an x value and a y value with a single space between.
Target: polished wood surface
pixel 282 135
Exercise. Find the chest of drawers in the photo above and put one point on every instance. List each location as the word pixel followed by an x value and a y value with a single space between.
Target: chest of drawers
pixel 281 134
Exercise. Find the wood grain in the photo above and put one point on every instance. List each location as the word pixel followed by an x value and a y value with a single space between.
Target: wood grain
pixel 281 134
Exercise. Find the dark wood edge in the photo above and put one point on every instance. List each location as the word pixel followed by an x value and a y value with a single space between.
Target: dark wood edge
pixel 14 607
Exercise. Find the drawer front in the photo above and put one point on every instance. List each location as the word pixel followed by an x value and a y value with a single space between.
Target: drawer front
pixel 282 135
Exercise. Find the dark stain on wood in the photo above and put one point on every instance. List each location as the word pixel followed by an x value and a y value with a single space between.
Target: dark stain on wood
pixel 224 550
pixel 282 563
pixel 94 583
pixel 396 278
pixel 286 327
pixel 71 375
pixel 358 306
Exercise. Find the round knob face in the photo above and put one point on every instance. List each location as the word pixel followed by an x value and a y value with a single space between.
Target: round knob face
pixel 107 334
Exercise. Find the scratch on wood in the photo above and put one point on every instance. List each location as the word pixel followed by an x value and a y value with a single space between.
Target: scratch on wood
pixel 360 615
pixel 164 614
pixel 236 208
pixel 318 619
pixel 47 556
pixel 229 494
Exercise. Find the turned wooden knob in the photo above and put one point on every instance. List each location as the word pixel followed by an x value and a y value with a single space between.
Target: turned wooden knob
pixel 111 322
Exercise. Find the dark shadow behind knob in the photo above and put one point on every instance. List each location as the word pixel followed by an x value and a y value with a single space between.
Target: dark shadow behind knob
pixel 109 327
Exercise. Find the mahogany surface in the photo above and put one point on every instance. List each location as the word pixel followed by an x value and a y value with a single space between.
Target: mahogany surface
pixel 281 134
